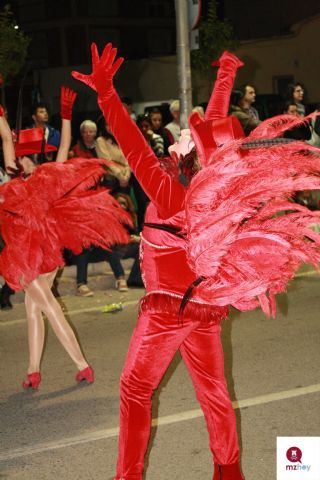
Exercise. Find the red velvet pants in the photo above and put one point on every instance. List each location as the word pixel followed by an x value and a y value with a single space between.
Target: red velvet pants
pixel 155 340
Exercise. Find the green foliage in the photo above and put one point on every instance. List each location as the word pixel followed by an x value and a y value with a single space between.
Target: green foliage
pixel 13 46
pixel 214 37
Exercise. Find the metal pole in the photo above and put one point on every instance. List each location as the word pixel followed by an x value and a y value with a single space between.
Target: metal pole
pixel 183 54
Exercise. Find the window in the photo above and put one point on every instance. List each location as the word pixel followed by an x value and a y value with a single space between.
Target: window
pixel 38 49
pixel 281 82
pixel 161 41
pixel 159 9
pixel 77 45
pixel 134 43
pixel 97 8
pixel 54 47
pixel 103 8
pixel 102 35
pixel 129 8
pixel 45 48
pixel 31 12
pixel 58 9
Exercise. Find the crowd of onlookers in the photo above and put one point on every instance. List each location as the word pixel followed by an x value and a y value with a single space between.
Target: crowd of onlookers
pixel 95 140
pixel 241 106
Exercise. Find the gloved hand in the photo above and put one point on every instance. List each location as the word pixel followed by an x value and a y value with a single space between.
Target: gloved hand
pixel 67 99
pixel 228 61
pixel 220 97
pixel 103 70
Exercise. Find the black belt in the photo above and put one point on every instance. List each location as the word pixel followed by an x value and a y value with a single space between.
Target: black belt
pixel 167 228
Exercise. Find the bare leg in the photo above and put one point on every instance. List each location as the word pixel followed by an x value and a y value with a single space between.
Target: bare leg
pixel 40 292
pixel 36 330
pixel 35 333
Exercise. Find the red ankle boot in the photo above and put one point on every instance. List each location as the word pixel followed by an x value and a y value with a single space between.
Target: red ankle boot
pixel 227 472
pixel 85 374
pixel 33 380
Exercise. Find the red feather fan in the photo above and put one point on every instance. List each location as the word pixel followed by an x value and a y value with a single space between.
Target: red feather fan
pixel 244 235
pixel 58 207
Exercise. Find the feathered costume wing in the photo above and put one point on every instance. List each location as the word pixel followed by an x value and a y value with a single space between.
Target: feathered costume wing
pixel 58 207
pixel 245 238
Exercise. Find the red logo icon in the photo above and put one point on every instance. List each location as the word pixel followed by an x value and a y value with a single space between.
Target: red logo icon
pixel 294 454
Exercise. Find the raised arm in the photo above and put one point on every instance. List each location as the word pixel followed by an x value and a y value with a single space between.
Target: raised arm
pixel 216 127
pixel 7 144
pixel 167 193
pixel 67 99
pixel 220 97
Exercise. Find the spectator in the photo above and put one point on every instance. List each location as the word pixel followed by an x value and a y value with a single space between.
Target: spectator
pixel 154 140
pixel 131 250
pixel 295 93
pixel 5 294
pixel 86 145
pixel 303 131
pixel 155 117
pixel 127 103
pixel 199 110
pixel 114 257
pixel 156 143
pixel 173 128
pixel 3 175
pixel 241 107
pixel 118 177
pixel 5 291
pixel 40 118
pixel 306 199
pixel 141 200
pixel 315 129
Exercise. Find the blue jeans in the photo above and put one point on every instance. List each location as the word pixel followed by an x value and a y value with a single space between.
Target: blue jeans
pixel 114 257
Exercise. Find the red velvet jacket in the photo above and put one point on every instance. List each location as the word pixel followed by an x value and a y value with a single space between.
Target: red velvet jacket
pixel 164 264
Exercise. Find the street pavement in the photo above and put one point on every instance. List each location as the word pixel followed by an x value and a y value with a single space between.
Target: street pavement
pixel 69 432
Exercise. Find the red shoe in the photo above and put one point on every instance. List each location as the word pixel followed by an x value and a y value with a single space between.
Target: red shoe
pixel 33 380
pixel 85 374
pixel 227 472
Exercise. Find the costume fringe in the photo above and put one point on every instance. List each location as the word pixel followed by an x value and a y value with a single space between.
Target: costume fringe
pixel 169 304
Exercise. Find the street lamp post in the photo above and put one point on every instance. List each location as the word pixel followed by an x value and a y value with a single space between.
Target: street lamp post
pixel 183 54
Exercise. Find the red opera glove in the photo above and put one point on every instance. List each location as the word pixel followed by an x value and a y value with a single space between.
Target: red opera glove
pixel 219 101
pixel 167 193
pixel 228 62
pixel 103 70
pixel 67 98
pixel 1 111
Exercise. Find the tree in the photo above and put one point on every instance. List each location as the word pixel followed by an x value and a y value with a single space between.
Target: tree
pixel 214 37
pixel 13 47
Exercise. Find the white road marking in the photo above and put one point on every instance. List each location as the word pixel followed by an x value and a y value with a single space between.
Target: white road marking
pixel 166 420
pixel 308 273
pixel 70 313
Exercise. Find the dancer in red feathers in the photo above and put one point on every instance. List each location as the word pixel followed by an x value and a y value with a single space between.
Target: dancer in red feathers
pixel 203 248
pixel 54 208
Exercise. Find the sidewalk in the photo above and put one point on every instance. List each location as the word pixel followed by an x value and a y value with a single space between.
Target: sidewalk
pixel 100 277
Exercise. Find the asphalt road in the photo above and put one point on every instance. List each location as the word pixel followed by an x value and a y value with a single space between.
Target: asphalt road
pixel 69 432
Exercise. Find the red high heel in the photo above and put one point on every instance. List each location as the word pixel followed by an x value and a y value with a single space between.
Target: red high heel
pixel 85 374
pixel 227 472
pixel 33 380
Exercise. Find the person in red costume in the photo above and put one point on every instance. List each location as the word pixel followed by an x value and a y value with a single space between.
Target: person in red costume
pixel 34 212
pixel 185 300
